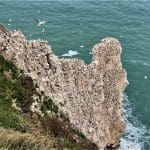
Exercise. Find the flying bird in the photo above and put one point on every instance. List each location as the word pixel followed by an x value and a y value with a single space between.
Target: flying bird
pixel 40 23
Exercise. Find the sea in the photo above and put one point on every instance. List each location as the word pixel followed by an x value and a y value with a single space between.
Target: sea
pixel 72 29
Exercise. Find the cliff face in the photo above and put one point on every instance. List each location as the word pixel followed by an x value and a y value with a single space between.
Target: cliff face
pixel 90 96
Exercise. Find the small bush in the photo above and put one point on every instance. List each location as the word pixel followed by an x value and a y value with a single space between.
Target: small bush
pixel 49 105
pixel 6 65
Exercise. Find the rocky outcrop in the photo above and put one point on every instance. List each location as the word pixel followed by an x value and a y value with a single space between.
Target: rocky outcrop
pixel 90 96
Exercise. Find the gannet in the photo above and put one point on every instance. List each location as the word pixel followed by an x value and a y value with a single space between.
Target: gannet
pixel 40 22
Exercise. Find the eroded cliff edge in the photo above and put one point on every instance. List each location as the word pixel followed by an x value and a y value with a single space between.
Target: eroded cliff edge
pixel 90 96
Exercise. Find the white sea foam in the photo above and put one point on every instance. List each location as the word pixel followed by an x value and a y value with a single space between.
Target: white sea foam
pixel 70 53
pixel 136 133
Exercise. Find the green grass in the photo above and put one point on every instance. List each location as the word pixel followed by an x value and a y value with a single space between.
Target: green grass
pixel 9 82
pixel 6 65
pixel 15 86
pixel 49 105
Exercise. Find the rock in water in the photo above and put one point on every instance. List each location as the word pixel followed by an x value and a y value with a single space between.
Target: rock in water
pixel 89 95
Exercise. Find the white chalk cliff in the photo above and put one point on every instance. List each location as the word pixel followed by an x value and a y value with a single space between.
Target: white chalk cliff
pixel 89 95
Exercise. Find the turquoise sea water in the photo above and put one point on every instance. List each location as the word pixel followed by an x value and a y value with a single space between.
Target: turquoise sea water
pixel 79 24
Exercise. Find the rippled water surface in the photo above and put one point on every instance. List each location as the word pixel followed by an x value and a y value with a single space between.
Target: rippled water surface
pixel 76 25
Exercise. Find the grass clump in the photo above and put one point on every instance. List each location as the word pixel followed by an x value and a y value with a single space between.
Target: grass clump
pixel 12 140
pixel 49 105
pixel 66 136
pixel 8 66
pixel 11 88
pixel 23 91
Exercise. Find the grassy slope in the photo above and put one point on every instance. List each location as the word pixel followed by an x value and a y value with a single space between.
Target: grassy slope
pixel 15 140
pixel 28 130
pixel 9 117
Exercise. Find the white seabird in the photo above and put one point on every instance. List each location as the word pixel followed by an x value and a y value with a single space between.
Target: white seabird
pixel 40 22
pixel 145 77
pixel 81 46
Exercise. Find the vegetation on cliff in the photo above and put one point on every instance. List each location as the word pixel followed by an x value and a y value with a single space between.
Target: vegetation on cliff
pixel 23 129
